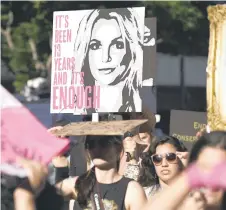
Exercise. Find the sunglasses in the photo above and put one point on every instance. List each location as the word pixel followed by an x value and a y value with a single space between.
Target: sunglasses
pixel 170 157
pixel 98 143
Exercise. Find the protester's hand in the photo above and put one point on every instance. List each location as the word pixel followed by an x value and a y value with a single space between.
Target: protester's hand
pixel 183 157
pixel 200 133
pixel 196 201
pixel 37 173
pixel 129 144
pixel 60 161
pixel 53 130
pixel 147 147
pixel 143 141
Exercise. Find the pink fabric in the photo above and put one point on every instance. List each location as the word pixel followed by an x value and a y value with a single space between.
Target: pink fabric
pixel 23 135
pixel 196 178
pixel 216 179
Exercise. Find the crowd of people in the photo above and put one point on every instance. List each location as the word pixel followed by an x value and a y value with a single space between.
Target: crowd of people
pixel 136 171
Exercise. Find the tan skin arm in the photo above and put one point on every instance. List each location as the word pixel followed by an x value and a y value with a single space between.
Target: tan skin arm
pixel 134 190
pixel 26 203
pixel 37 174
pixel 67 188
pixel 172 196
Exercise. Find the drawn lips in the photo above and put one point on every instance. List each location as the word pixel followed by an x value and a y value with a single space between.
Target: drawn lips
pixel 107 70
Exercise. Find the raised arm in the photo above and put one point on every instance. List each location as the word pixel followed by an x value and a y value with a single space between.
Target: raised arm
pixel 192 178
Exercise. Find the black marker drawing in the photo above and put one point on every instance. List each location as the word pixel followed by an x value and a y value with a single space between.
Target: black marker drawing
pixel 109 50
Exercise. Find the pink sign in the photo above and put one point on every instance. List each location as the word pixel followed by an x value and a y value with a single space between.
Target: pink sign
pixel 23 135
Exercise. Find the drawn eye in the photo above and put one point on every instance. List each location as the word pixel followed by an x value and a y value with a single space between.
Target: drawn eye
pixel 95 46
pixel 119 45
pixel 147 39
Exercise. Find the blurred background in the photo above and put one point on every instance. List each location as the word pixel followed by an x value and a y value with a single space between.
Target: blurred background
pixel 182 50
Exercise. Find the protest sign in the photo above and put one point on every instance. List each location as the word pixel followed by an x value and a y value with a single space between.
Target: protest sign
pixel 148 96
pixel 149 72
pixel 185 124
pixel 23 135
pixel 99 128
pixel 148 92
pixel 97 60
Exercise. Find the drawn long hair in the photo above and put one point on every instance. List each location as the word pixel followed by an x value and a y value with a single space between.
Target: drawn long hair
pixel 131 30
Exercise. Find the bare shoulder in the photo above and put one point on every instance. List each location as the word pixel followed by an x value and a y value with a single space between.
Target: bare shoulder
pixel 135 190
pixel 133 185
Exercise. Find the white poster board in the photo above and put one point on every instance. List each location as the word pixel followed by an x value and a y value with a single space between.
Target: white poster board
pixel 97 61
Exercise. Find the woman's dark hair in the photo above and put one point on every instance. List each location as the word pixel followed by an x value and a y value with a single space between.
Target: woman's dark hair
pixel 215 139
pixel 148 174
pixel 85 183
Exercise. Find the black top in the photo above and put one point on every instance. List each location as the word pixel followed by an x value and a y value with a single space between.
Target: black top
pixel 113 195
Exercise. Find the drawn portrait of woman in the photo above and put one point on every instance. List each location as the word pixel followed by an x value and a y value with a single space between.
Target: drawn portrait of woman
pixel 109 50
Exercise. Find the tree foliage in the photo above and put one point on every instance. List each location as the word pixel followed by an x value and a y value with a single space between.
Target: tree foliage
pixel 27 29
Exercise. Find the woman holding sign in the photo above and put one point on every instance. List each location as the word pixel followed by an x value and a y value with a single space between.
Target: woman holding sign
pixel 102 185
pixel 108 50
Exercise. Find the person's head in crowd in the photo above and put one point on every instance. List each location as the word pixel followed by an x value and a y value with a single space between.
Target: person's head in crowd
pixel 161 164
pixel 146 129
pixel 105 153
pixel 208 150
